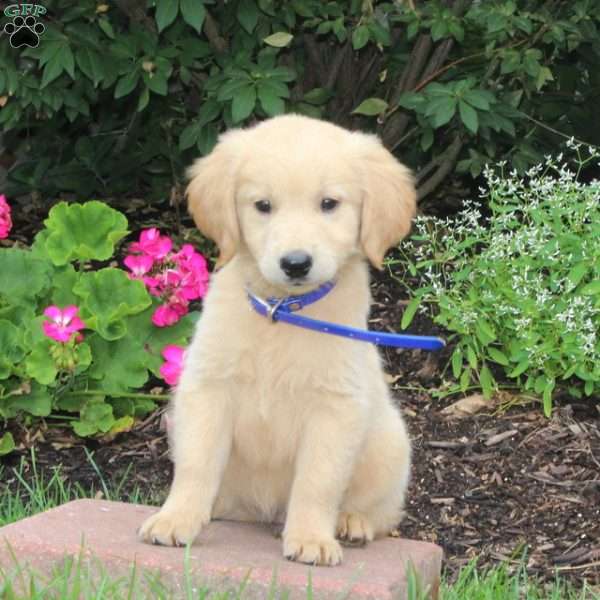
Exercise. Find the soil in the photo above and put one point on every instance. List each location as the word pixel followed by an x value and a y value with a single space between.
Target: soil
pixel 505 484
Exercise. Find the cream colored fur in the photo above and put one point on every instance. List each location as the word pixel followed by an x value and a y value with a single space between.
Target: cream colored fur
pixel 273 422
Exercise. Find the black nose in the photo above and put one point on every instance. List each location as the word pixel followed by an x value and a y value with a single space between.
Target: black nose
pixel 296 264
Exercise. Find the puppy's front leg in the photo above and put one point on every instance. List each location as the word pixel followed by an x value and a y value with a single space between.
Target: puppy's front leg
pixel 324 465
pixel 202 434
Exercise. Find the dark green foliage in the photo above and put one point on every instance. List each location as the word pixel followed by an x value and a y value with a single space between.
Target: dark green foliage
pixel 118 98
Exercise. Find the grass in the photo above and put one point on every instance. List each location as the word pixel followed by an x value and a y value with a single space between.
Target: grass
pixel 84 578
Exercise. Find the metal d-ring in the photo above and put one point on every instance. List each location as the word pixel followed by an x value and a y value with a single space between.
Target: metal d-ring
pixel 273 308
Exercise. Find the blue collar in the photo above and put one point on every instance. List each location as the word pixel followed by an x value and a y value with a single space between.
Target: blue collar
pixel 283 309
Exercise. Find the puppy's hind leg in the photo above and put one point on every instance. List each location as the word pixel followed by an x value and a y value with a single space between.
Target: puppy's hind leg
pixel 373 503
pixel 202 437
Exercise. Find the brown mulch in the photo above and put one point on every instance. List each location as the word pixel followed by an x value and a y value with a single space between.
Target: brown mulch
pixel 503 484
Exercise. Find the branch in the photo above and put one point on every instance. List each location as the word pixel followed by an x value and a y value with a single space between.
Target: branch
pixel 442 165
pixel 315 58
pixel 336 65
pixel 211 31
pixel 136 11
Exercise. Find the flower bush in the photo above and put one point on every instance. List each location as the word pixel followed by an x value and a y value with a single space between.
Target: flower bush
pixel 520 289
pixel 79 343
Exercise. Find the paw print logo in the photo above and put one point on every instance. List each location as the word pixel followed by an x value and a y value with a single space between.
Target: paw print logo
pixel 24 32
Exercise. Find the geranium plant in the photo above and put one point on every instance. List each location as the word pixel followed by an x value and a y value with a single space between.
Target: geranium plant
pixel 81 343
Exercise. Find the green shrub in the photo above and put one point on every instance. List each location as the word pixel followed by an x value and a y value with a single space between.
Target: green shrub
pixel 520 288
pixel 119 97
pixel 91 380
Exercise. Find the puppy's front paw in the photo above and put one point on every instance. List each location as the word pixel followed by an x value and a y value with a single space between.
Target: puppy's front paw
pixel 171 528
pixel 353 529
pixel 313 551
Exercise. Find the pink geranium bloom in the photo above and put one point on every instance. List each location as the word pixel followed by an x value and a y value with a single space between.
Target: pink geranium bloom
pixel 63 323
pixel 153 244
pixel 170 313
pixel 193 271
pixel 5 220
pixel 171 369
pixel 139 266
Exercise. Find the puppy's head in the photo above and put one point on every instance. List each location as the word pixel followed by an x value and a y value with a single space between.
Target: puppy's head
pixel 302 197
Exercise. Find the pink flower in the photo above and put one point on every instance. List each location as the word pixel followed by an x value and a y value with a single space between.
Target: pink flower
pixel 171 369
pixel 170 313
pixel 5 220
pixel 62 323
pixel 152 244
pixel 139 266
pixel 193 272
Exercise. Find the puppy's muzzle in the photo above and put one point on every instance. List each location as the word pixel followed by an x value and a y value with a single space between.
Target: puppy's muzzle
pixel 296 264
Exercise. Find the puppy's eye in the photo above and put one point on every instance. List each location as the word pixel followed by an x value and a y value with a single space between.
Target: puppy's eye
pixel 329 204
pixel 263 206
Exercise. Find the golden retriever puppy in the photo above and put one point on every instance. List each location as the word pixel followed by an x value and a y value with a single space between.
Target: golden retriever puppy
pixel 273 422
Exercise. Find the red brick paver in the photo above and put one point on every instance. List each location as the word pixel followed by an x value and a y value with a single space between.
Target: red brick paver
pixel 223 555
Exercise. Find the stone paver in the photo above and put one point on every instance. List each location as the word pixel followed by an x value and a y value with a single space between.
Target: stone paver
pixel 223 555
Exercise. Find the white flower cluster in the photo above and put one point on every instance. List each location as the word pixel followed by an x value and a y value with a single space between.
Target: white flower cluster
pixel 517 267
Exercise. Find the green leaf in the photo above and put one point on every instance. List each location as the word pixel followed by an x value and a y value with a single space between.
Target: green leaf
pixel 409 312
pixel 487 381
pixel 90 64
pixel 156 82
pixel 12 352
pixel 284 74
pixel 68 60
pixel 498 356
pixel 439 30
pixel 465 379
pixel 277 87
pixel 40 365
pixel 7 443
pixel 189 136
pixel 166 11
pixel 591 289
pixel 193 13
pixel 38 402
pixel 96 416
pixel 480 99
pixel 153 339
pixel 484 332
pixel 468 116
pixel 243 103
pixel 457 362
pixel 120 365
pixel 126 84
pixel 63 282
pixel 52 69
pixel 143 99
pixel 446 109
pixel 471 357
pixel 107 297
pixel 280 39
pixel 271 103
pixel 247 15
pixel 547 397
pixel 371 107
pixel 24 275
pixel 317 96
pixel 231 87
pixel 577 273
pixel 107 28
pixel 520 368
pixel 83 231
pixel 360 37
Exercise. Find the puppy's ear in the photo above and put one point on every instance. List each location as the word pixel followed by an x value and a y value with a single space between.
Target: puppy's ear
pixel 211 196
pixel 389 201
